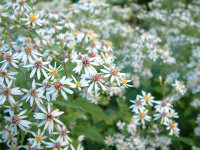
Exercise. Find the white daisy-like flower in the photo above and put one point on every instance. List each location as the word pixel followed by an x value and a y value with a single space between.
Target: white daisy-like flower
pixel 57 145
pixel 28 54
pixel 11 59
pixel 7 93
pixel 6 76
pixel 54 71
pixel 86 64
pixel 79 85
pixel 146 98
pixel 17 120
pixel 180 87
pixel 94 98
pixel 142 116
pixel 32 19
pixel 34 95
pixel 120 125
pixel 96 81
pixel 62 131
pixel 138 105
pixel 38 139
pixel 13 107
pixel 48 118
pixel 59 85
pixel 113 73
pixel 109 141
pixel 38 66
pixel 173 127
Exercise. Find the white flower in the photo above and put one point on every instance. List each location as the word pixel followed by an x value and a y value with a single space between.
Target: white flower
pixel 95 81
pixel 120 125
pixel 142 116
pixel 16 119
pixel 85 63
pixel 6 76
pixel 179 87
pixel 9 59
pixel 54 71
pixel 113 73
pixel 132 128
pixel 94 98
pixel 146 98
pixel 109 141
pixel 38 65
pixel 59 85
pixel 138 105
pixel 32 19
pixel 48 118
pixel 63 134
pixel 38 139
pixel 34 94
pixel 8 93
pixel 79 85
pixel 172 126
pixel 57 145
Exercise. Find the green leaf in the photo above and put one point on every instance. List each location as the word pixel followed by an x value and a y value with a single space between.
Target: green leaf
pixel 185 140
pixel 124 109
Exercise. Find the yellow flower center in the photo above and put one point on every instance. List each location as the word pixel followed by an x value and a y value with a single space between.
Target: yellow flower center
pixel 124 80
pixel 132 127
pixel 128 28
pixel 32 18
pixel 164 51
pixel 78 84
pixel 142 115
pixel 105 57
pixel 27 40
pixel 38 138
pixel 172 125
pixel 94 38
pixel 10 136
pixel 53 71
pixel 198 130
pixel 15 106
pixel 14 148
pixel 109 140
pixel 180 85
pixel 95 97
pixel 109 43
pixel 75 33
pixel 114 71
pixel 147 98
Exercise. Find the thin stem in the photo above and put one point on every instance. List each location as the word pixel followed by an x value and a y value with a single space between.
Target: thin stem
pixel 65 68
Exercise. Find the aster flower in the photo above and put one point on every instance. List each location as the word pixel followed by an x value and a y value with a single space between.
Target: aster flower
pixel 17 120
pixel 109 141
pixel 62 131
pixel 38 139
pixel 146 98
pixel 172 126
pixel 179 87
pixel 85 63
pixel 79 85
pixel 9 58
pixel 39 66
pixel 32 19
pixel 96 81
pixel 6 76
pixel 59 85
pixel 113 73
pixel 7 93
pixel 54 71
pixel 48 118
pixel 57 145
pixel 34 95
pixel 142 116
